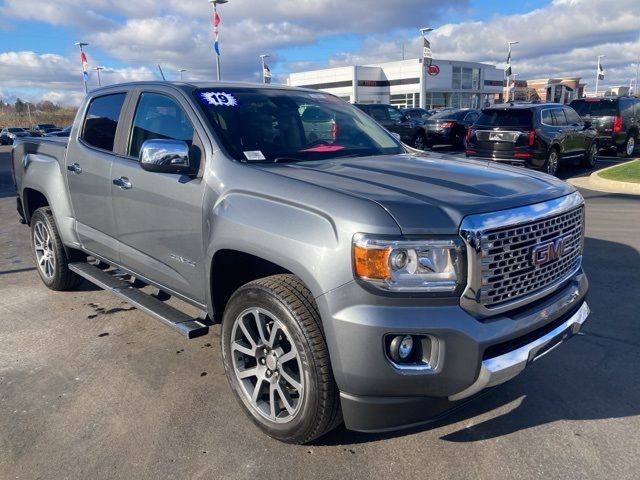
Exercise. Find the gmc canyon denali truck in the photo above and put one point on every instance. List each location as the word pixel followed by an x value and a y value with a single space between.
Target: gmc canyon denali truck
pixel 354 277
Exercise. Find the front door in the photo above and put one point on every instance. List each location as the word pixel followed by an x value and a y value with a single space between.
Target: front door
pixel 159 215
pixel 88 170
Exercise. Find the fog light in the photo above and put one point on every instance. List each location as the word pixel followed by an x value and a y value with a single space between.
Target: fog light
pixel 401 348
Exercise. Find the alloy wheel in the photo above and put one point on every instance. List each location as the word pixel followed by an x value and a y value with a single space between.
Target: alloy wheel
pixel 43 247
pixel 552 163
pixel 267 365
pixel 419 142
pixel 631 146
pixel 593 155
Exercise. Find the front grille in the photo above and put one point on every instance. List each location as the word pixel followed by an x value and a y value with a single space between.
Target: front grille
pixel 507 271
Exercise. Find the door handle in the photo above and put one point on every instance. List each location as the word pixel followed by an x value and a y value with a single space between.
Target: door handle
pixel 75 168
pixel 123 183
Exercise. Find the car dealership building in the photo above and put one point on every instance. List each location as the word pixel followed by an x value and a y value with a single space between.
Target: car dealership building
pixel 405 83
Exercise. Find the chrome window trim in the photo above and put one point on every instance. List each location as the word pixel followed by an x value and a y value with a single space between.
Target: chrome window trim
pixel 474 226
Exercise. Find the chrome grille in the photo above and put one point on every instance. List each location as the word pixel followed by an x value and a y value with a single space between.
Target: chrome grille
pixel 507 271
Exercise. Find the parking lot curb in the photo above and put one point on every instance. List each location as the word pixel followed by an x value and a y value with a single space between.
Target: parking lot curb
pixel 596 182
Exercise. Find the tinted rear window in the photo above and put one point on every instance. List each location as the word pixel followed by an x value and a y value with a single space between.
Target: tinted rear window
pixel 448 114
pixel 505 118
pixel 597 108
pixel 101 122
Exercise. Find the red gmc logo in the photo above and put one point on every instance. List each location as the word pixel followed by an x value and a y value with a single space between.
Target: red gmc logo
pixel 549 251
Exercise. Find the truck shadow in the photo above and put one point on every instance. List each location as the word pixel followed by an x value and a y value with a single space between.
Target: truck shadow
pixel 593 376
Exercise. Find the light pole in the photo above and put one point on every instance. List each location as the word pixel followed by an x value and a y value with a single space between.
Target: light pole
pixel 598 69
pixel 181 71
pixel 262 57
pixel 97 69
pixel 514 75
pixel 427 55
pixel 216 23
pixel 83 59
pixel 635 89
pixel 507 69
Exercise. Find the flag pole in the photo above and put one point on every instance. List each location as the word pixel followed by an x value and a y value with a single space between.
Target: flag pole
pixel 507 77
pixel 262 57
pixel 423 68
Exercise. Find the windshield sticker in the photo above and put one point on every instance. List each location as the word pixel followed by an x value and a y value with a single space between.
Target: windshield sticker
pixel 254 155
pixel 219 99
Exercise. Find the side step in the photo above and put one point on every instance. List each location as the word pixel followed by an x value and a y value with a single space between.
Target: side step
pixel 183 323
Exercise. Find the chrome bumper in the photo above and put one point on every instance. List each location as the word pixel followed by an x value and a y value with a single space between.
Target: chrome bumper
pixel 497 370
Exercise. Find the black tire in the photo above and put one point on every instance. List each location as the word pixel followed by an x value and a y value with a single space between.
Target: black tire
pixel 629 146
pixel 287 298
pixel 552 162
pixel 419 141
pixel 590 158
pixel 58 276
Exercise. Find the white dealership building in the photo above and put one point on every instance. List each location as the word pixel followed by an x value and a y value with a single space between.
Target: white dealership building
pixel 405 83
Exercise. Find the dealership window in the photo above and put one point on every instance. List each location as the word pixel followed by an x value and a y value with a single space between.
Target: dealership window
pixel 435 100
pixel 465 78
pixel 405 100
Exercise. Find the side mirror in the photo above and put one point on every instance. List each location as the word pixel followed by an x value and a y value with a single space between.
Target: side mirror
pixel 165 156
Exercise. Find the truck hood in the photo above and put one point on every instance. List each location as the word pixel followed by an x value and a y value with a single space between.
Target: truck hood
pixel 428 193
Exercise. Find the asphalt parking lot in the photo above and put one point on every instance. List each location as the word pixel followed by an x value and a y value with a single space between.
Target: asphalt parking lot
pixel 91 388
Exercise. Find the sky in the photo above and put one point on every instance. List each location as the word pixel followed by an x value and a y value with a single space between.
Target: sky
pixel 38 59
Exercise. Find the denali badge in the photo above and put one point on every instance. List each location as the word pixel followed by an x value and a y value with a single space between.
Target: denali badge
pixel 546 252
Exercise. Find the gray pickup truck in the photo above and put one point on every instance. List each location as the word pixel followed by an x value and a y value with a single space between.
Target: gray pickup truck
pixel 354 278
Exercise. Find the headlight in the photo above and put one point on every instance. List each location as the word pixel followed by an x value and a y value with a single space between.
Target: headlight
pixel 424 265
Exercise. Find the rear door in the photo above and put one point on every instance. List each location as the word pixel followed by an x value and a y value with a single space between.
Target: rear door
pixel 159 215
pixel 88 170
pixel 401 124
pixel 562 136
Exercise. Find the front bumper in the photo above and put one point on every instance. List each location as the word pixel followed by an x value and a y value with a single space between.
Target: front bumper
pixel 474 354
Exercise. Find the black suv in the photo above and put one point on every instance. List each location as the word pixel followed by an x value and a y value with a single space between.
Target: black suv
pixel 411 131
pixel 617 120
pixel 534 135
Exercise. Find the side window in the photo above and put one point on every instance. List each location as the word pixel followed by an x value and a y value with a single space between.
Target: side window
pixel 547 119
pixel 626 107
pixel 395 114
pixel 559 120
pixel 159 117
pixel 101 122
pixel 379 114
pixel 572 117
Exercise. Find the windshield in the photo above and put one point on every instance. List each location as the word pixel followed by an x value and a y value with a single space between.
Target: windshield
pixel 505 118
pixel 595 108
pixel 265 124
pixel 46 125
pixel 16 130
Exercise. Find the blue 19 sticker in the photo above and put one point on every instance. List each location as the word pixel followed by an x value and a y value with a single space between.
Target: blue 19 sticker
pixel 220 99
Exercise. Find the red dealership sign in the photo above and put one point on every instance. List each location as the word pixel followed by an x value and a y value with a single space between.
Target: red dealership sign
pixel 433 70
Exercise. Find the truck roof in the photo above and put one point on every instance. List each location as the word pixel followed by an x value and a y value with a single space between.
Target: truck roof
pixel 187 86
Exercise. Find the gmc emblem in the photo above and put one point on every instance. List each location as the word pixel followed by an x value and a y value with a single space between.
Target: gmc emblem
pixel 549 251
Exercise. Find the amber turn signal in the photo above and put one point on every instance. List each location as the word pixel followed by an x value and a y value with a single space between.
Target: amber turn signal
pixel 372 263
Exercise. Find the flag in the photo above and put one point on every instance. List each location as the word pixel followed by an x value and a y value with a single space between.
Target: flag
pixel 507 68
pixel 216 31
pixel 266 74
pixel 427 55
pixel 600 71
pixel 85 64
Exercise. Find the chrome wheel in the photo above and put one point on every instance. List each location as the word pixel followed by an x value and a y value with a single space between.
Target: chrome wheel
pixel 419 142
pixel 43 247
pixel 631 146
pixel 267 365
pixel 552 162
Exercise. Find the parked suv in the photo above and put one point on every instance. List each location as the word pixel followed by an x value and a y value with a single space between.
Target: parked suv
pixel 538 136
pixel 9 134
pixel 616 119
pixel 411 130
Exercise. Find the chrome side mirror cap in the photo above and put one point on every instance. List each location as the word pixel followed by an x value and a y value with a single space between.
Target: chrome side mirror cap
pixel 165 156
